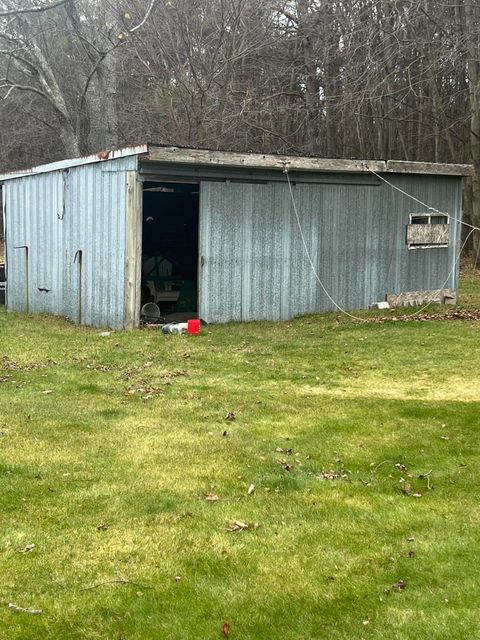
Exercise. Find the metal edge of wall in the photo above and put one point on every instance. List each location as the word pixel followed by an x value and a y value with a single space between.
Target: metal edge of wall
pixel 133 250
pixel 201 308
pixel 457 255
pixel 4 222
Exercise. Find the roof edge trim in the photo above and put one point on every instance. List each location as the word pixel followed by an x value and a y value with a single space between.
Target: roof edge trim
pixel 100 156
pixel 180 155
pixel 185 156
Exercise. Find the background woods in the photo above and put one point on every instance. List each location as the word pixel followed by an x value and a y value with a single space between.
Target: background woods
pixel 336 78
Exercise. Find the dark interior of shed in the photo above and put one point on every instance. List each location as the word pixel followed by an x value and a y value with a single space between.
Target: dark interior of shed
pixel 170 248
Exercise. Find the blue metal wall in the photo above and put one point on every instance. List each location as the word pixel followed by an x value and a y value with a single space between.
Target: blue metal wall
pixel 253 264
pixel 57 215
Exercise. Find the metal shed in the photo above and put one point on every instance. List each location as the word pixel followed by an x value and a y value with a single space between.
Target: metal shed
pixel 81 235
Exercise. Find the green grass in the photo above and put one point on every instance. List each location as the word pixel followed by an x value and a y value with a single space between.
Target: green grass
pixel 131 437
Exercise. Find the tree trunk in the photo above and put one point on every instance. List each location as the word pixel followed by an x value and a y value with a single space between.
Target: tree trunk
pixel 474 88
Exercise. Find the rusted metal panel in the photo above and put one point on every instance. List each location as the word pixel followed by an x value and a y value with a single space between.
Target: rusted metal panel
pixel 100 156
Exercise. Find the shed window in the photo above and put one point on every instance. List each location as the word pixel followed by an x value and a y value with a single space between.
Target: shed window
pixel 428 230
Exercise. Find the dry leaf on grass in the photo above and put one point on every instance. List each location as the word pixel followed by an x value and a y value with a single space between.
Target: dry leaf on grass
pixel 212 497
pixel 237 526
pixel 230 416
pixel 251 489
pixel 17 609
pixel 401 585
pixel 332 474
pixel 28 548
pixel 226 629
pixel 407 488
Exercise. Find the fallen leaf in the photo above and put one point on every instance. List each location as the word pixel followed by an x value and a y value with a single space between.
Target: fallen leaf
pixel 341 474
pixel 251 489
pixel 212 497
pixel 237 526
pixel 280 450
pixel 15 607
pixel 28 548
pixel 400 585
pixel 407 488
pixel 47 392
pixel 226 629
pixel 230 416
pixel 416 495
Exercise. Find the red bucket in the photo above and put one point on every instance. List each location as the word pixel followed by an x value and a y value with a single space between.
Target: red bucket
pixel 193 327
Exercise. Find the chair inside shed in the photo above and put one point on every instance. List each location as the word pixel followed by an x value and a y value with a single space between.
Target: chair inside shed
pixel 170 248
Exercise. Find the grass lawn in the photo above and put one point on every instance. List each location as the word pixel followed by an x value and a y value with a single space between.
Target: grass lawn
pixel 361 441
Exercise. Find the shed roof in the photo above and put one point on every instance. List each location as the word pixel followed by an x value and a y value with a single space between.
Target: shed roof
pixel 202 157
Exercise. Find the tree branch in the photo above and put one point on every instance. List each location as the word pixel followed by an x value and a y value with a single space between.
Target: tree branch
pixel 37 9
pixel 147 15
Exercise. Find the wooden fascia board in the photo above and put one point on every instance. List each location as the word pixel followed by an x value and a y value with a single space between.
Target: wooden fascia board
pixel 431 168
pixel 178 155
pixel 175 155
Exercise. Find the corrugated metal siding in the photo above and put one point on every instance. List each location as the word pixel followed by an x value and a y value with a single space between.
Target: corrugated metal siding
pixel 56 215
pixel 253 264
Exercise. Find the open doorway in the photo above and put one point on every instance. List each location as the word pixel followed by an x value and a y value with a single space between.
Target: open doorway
pixel 170 248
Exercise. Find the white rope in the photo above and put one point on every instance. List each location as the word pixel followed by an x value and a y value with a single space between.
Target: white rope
pixel 409 195
pixel 448 277
pixel 307 252
pixel 315 272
